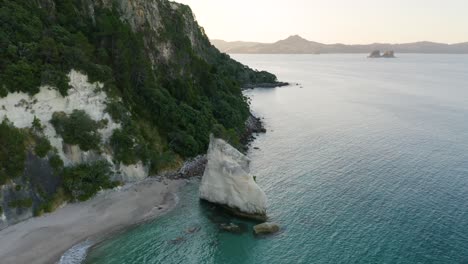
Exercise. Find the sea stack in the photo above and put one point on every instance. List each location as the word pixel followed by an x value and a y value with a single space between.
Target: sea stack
pixel 386 54
pixel 227 182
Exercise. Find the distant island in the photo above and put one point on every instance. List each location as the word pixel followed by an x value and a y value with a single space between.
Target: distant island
pixel 298 45
pixel 386 54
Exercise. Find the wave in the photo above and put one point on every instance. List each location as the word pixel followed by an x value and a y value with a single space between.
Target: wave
pixel 76 254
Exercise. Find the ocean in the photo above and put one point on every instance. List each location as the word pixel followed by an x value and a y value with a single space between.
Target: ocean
pixel 364 161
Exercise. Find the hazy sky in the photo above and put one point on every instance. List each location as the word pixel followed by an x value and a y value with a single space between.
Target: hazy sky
pixel 332 21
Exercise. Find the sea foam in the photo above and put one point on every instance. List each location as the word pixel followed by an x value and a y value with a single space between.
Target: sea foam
pixel 76 254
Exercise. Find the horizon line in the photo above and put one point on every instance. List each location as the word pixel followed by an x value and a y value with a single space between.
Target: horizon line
pixel 341 43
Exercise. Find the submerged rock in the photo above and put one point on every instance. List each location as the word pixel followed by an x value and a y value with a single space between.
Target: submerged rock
pixel 227 182
pixel 231 227
pixel 266 228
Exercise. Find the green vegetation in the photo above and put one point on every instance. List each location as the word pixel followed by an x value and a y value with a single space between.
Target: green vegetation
pixel 83 181
pixel 77 129
pixel 183 97
pixel 56 162
pixel 37 126
pixel 42 147
pixel 1 210
pixel 167 104
pixel 12 151
pixel 21 203
pixel 51 203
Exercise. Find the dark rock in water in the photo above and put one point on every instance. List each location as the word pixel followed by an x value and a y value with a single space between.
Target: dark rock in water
pixel 256 148
pixel 386 54
pixel 266 228
pixel 375 54
pixel 266 85
pixel 238 213
pixel 253 125
pixel 231 227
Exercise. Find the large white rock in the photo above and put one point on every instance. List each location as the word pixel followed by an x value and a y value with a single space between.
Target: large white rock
pixel 227 181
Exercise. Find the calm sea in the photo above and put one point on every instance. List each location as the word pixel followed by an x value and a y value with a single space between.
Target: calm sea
pixel 365 161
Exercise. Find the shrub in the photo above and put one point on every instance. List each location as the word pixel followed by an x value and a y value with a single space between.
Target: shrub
pixel 12 151
pixel 125 146
pixel 42 147
pixel 52 203
pixel 37 126
pixel 83 181
pixel 56 162
pixel 77 129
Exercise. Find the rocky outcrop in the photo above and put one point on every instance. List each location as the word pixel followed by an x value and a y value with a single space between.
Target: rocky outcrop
pixel 266 228
pixel 266 85
pixel 386 54
pixel 374 54
pixel 227 182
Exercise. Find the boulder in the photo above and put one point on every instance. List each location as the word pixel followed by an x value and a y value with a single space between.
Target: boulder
pixel 227 182
pixel 266 228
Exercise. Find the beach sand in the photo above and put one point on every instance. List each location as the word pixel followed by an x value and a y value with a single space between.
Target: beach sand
pixel 45 239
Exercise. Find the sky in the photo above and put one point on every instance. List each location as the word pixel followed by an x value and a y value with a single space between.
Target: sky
pixel 334 21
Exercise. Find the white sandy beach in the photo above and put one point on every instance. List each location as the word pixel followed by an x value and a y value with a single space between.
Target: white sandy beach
pixel 45 239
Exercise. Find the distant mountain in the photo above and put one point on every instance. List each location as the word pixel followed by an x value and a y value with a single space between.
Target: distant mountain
pixel 298 45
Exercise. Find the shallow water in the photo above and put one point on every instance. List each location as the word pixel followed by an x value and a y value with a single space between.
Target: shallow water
pixel 365 161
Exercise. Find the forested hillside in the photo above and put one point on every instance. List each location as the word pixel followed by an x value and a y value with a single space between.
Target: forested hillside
pixel 167 88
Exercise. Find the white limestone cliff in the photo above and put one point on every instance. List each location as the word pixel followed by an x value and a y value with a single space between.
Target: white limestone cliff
pixel 226 181
pixel 21 108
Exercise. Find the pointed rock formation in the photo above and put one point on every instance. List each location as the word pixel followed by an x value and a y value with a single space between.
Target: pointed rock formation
pixel 227 182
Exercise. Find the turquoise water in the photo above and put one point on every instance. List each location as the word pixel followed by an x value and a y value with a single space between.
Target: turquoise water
pixel 366 161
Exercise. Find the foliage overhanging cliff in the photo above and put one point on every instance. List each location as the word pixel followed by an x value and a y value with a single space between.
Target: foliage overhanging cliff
pixel 150 53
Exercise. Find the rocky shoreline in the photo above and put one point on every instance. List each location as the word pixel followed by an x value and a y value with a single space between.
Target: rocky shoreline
pixel 265 85
pixel 196 166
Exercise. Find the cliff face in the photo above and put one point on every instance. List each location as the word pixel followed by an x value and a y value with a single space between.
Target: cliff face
pixel 96 93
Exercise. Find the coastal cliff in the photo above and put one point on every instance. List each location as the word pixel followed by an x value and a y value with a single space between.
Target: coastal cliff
pixel 94 94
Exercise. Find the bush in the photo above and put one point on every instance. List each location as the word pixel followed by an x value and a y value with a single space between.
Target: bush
pixel 183 143
pixel 52 203
pixel 12 151
pixel 84 181
pixel 125 146
pixel 56 162
pixel 77 129
pixel 37 126
pixel 42 147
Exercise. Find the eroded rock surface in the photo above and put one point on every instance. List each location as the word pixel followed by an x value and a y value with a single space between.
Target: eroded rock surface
pixel 226 181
